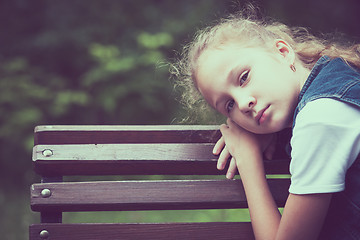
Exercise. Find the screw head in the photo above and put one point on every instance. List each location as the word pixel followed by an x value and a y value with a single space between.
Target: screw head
pixel 45 193
pixel 47 153
pixel 44 234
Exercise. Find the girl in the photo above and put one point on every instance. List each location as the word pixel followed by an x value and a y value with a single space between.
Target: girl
pixel 266 77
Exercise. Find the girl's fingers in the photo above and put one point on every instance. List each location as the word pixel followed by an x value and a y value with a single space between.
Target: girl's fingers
pixel 232 169
pixel 219 146
pixel 223 158
pixel 224 128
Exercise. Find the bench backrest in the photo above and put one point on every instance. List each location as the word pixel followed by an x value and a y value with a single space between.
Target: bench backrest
pixel 136 150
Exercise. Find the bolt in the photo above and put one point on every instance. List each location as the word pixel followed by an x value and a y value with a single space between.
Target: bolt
pixel 47 153
pixel 45 193
pixel 44 234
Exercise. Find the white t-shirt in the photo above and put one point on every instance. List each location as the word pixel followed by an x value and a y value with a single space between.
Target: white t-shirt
pixel 325 142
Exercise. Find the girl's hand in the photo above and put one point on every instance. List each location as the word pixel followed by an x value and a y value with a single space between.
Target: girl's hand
pixel 236 140
pixel 220 148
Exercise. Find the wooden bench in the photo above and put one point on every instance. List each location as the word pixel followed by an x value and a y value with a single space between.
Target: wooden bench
pixel 136 150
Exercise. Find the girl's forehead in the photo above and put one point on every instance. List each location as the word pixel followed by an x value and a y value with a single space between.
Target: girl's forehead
pixel 216 60
pixel 236 49
pixel 216 63
pixel 227 54
pixel 233 52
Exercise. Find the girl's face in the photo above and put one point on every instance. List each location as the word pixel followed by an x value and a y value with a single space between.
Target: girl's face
pixel 253 87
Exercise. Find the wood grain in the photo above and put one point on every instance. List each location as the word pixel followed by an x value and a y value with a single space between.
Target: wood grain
pixel 106 134
pixel 147 195
pixel 134 159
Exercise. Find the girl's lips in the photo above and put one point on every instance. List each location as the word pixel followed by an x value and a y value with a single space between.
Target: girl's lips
pixel 261 116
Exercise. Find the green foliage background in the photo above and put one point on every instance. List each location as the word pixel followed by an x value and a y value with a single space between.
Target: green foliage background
pixel 105 62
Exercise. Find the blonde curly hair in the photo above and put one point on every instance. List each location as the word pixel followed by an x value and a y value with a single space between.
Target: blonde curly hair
pixel 248 29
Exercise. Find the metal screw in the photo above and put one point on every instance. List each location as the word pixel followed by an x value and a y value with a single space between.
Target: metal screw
pixel 45 193
pixel 47 153
pixel 44 234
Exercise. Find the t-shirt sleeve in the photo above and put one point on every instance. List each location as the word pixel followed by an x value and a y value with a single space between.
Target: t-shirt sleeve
pixel 325 142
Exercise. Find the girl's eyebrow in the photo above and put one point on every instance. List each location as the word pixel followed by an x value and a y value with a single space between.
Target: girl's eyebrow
pixel 218 101
pixel 232 74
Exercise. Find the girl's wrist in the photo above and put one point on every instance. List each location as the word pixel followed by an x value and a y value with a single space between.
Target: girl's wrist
pixel 250 162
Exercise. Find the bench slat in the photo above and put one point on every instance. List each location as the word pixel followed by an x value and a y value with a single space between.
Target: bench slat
pixel 175 152
pixel 148 195
pixel 134 159
pixel 164 231
pixel 107 134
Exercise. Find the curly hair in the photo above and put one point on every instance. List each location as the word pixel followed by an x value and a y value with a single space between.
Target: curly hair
pixel 248 29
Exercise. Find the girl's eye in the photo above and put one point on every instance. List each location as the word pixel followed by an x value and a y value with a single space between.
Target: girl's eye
pixel 229 106
pixel 243 78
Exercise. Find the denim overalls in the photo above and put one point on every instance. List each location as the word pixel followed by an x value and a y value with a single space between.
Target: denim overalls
pixel 337 80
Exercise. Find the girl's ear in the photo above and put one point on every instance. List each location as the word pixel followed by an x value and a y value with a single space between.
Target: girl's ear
pixel 284 49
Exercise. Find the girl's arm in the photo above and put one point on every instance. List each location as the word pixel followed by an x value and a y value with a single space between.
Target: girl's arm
pixel 303 214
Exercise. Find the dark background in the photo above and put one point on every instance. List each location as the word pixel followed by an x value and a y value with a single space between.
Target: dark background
pixel 106 62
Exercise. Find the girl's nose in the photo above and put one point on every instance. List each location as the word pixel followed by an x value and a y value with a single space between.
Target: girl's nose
pixel 246 104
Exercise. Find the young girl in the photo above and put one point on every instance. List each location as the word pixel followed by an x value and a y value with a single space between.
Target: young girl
pixel 265 77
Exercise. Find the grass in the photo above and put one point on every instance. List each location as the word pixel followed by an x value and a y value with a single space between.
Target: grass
pixel 221 215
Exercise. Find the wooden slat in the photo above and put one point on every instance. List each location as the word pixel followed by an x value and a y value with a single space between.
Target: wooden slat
pixel 148 195
pixel 145 231
pixel 107 134
pixel 103 152
pixel 134 159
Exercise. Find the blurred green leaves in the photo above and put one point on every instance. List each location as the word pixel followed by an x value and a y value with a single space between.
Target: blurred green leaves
pixel 88 62
pixel 155 41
